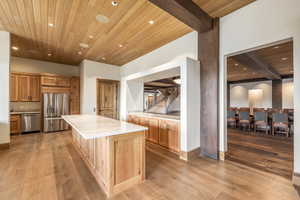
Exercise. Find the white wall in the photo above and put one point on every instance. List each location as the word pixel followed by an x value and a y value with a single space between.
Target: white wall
pixel 37 66
pixel 239 94
pixel 288 93
pixel 261 22
pixel 89 72
pixel 4 89
pixel 186 46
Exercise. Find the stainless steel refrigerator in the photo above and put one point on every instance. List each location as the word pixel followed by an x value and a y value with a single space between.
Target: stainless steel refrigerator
pixel 55 105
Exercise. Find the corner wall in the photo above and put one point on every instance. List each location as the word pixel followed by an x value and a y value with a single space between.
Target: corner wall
pixel 4 91
pixel 261 22
pixel 90 71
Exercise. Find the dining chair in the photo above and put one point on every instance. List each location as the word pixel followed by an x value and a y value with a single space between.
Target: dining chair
pixel 244 118
pixel 231 117
pixel 261 120
pixel 280 123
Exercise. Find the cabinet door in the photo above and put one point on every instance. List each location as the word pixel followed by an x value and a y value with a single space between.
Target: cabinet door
pixel 13 87
pixel 63 82
pixel 173 132
pixel 163 134
pixel 145 122
pixel 48 80
pixel 15 124
pixel 34 88
pixel 23 88
pixel 153 130
pixel 75 96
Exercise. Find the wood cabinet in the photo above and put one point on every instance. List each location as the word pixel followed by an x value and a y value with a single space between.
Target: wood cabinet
pixel 13 87
pixel 117 162
pixel 57 81
pixel 25 88
pixel 169 135
pixel 163 132
pixel 75 96
pixel 15 124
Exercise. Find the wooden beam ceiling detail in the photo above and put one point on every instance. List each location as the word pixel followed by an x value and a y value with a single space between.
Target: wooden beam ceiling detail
pixel 252 60
pixel 188 12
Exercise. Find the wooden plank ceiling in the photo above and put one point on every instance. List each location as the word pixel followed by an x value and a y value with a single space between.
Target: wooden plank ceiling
pixel 279 57
pixel 127 36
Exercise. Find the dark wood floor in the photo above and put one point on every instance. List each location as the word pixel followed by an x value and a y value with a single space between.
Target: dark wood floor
pixel 265 152
pixel 47 167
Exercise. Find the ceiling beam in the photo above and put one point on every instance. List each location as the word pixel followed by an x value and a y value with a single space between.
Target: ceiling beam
pixel 188 12
pixel 252 61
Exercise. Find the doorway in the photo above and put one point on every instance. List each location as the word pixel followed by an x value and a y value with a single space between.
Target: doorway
pixel 260 108
pixel 108 98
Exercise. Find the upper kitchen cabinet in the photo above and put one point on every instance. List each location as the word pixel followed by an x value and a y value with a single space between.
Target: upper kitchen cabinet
pixel 57 81
pixel 25 87
pixel 13 88
pixel 75 96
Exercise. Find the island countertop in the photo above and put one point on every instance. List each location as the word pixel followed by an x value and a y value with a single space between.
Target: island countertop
pixel 93 126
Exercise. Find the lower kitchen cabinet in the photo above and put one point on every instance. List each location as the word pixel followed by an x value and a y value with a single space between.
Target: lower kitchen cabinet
pixel 15 124
pixel 165 133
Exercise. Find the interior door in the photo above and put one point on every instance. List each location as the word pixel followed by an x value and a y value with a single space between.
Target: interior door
pixel 107 98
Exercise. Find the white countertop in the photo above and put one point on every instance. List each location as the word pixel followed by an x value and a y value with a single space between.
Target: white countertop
pixel 93 126
pixel 24 112
pixel 157 116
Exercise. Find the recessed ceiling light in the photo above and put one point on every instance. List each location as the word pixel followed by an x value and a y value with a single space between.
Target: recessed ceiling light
pixel 50 24
pixel 15 48
pixel 84 45
pixel 284 58
pixel 120 45
pixel 236 64
pixel 114 3
pixel 49 54
pixel 79 52
pixel 91 37
pixel 103 58
pixel 151 22
pixel 277 47
pixel 102 19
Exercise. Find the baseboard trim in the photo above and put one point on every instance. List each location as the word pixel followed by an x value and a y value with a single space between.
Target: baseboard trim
pixel 187 156
pixel 4 146
pixel 296 178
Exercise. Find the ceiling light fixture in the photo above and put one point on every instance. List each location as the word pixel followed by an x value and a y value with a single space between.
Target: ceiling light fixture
pixel 151 22
pixel 91 37
pixel 277 47
pixel 50 24
pixel 49 54
pixel 114 3
pixel 79 52
pixel 236 64
pixel 284 58
pixel 84 45
pixel 15 48
pixel 245 68
pixel 102 19
pixel 103 58
pixel 120 45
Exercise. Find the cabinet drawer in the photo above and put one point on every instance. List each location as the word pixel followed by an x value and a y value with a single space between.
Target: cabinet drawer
pixel 15 124
pixel 48 81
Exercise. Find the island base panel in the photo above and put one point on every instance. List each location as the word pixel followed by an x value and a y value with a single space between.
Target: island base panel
pixel 117 162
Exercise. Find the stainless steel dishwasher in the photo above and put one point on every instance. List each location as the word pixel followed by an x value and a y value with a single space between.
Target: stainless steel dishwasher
pixel 31 122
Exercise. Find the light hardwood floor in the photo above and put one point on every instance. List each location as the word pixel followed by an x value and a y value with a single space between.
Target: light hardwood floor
pixel 42 167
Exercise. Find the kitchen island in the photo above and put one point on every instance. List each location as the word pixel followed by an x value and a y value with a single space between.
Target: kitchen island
pixel 113 150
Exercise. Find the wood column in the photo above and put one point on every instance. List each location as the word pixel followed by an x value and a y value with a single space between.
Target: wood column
pixel 277 94
pixel 208 50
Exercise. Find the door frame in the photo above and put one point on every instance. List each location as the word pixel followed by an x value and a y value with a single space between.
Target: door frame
pixel 99 80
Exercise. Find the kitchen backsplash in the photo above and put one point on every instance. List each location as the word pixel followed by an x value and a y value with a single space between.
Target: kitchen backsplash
pixel 24 106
